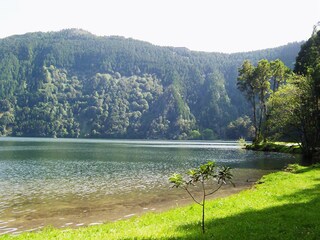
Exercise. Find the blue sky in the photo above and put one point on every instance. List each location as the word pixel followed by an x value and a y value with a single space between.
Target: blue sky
pixel 203 25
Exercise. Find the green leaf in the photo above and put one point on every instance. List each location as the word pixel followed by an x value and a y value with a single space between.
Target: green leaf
pixel 177 180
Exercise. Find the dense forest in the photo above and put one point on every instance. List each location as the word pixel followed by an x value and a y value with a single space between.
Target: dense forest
pixel 285 103
pixel 75 84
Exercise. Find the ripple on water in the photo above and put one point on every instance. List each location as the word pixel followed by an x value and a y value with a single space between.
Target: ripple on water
pixel 6 230
pixel 36 174
pixel 95 223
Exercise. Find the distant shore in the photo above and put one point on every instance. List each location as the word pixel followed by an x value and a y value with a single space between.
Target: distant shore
pixel 282 147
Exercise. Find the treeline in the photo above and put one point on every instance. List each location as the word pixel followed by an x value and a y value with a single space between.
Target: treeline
pixel 285 103
pixel 74 84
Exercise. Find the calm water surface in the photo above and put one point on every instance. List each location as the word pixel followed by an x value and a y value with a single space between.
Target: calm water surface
pixel 76 182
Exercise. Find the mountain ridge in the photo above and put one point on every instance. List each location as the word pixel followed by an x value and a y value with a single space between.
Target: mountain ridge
pixel 79 31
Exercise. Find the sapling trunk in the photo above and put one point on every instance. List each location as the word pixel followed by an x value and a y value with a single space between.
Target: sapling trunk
pixel 202 175
pixel 203 204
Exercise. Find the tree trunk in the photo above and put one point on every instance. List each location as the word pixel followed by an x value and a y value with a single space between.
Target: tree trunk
pixel 254 119
pixel 260 121
pixel 203 204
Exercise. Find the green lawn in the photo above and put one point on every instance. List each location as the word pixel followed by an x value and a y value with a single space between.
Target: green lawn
pixel 282 205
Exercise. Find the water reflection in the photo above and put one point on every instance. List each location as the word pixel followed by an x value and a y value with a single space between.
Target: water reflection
pixel 79 175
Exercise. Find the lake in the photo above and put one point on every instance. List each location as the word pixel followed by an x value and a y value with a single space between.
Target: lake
pixel 81 182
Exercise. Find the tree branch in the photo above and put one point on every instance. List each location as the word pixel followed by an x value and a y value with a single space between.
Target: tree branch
pixel 185 188
pixel 214 190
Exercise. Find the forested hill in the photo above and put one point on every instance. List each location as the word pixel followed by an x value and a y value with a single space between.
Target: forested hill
pixel 75 84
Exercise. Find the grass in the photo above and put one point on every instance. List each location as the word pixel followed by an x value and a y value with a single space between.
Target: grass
pixel 283 147
pixel 282 205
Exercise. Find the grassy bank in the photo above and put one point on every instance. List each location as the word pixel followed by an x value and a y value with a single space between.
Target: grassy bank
pixel 283 205
pixel 282 147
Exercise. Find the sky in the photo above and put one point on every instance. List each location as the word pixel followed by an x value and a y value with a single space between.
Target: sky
pixel 202 25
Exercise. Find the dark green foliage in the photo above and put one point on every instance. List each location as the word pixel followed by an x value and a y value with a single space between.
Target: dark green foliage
pixel 254 82
pixel 308 65
pixel 208 134
pixel 290 109
pixel 195 135
pixel 72 83
pixel 242 126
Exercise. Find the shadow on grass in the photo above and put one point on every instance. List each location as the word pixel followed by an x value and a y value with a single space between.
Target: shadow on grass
pixel 295 168
pixel 288 221
pixel 309 168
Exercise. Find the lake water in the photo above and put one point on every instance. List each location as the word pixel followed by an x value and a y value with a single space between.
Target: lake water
pixel 80 182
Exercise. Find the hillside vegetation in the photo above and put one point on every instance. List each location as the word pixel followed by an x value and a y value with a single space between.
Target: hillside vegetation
pixel 285 104
pixel 75 84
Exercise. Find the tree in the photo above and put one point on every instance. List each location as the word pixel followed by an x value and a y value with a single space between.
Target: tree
pixel 284 117
pixel 241 127
pixel 208 134
pixel 262 75
pixel 279 72
pixel 195 135
pixel 247 83
pixel 308 65
pixel 292 116
pixel 5 105
pixel 202 175
pixel 255 83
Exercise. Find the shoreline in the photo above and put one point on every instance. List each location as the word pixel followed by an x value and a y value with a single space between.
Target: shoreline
pixel 281 147
pixel 101 212
pixel 280 197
